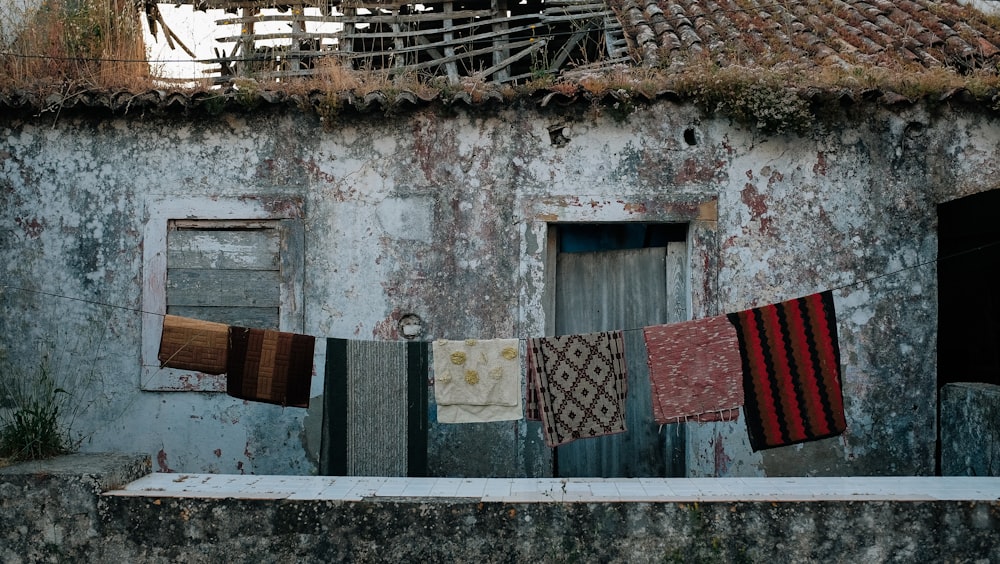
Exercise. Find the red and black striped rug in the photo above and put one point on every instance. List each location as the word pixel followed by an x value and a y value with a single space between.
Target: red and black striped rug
pixel 791 371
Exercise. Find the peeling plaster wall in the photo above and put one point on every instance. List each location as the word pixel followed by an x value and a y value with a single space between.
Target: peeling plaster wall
pixel 444 215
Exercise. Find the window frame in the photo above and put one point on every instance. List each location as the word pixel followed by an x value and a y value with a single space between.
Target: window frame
pixel 160 212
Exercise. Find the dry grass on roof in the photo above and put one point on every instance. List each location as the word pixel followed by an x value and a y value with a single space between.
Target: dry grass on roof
pixel 68 45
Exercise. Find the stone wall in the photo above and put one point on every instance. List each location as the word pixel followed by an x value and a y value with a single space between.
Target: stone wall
pixel 970 430
pixel 48 509
pixel 445 214
pixel 52 511
pixel 138 529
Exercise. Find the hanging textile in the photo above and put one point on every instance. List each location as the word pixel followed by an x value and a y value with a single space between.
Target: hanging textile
pixel 192 344
pixel 694 370
pixel 270 366
pixel 375 408
pixel 791 371
pixel 477 381
pixel 579 385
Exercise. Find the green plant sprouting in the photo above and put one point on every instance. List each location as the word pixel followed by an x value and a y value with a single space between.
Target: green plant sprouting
pixel 45 388
pixel 30 426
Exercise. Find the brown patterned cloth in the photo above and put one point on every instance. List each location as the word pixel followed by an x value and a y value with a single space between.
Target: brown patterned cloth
pixel 695 370
pixel 270 366
pixel 192 344
pixel 577 385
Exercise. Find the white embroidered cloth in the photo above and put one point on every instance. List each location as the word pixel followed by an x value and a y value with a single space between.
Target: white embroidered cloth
pixel 477 381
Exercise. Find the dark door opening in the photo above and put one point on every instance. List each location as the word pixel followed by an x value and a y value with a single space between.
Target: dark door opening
pixel 968 303
pixel 622 276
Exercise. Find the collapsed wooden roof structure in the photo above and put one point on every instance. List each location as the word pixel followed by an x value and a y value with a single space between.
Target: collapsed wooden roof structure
pixel 494 40
pixel 512 40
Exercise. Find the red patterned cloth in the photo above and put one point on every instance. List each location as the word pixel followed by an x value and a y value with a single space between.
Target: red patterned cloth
pixel 270 366
pixel 577 385
pixel 694 370
pixel 791 371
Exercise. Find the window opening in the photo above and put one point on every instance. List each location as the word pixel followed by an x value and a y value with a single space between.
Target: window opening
pixel 224 271
pixel 237 261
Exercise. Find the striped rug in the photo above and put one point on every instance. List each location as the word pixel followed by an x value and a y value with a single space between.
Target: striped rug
pixel 269 366
pixel 791 371
pixel 375 408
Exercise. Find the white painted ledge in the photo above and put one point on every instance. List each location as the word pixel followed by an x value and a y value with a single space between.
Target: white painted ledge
pixel 578 490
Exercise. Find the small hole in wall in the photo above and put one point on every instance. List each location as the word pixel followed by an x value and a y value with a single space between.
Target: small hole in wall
pixel 411 326
pixel 689 137
pixel 559 135
pixel 914 129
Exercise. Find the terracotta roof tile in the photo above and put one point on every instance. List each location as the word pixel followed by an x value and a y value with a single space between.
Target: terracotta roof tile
pixel 927 32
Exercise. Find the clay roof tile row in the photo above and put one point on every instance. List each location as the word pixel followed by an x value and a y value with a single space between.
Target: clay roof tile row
pixel 927 32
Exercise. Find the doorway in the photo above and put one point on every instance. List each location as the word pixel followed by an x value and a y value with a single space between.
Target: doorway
pixel 622 276
pixel 968 312
pixel 968 304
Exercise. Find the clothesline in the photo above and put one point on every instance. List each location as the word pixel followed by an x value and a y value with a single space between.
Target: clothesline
pixel 627 330
pixel 780 363
pixel 790 370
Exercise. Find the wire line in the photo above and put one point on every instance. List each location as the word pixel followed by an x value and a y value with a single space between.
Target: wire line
pixel 841 287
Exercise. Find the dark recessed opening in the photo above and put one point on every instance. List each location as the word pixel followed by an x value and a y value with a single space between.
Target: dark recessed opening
pixel 558 135
pixel 591 237
pixel 914 129
pixel 689 137
pixel 968 304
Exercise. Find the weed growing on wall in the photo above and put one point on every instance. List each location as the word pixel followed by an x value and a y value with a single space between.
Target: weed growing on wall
pixel 48 380
pixel 764 100
pixel 30 425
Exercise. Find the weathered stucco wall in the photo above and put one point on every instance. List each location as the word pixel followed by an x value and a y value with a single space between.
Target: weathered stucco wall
pixel 443 214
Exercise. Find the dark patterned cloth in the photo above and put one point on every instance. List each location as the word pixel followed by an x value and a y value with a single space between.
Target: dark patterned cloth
pixel 270 366
pixel 694 370
pixel 791 371
pixel 577 385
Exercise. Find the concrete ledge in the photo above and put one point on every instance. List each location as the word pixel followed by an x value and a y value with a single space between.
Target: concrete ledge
pixel 562 490
pixel 105 471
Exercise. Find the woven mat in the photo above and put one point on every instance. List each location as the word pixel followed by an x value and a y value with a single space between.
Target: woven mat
pixel 270 366
pixel 694 370
pixel 791 371
pixel 580 383
pixel 375 414
pixel 192 344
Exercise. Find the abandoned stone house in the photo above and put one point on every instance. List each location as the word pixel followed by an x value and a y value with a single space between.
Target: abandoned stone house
pixel 467 216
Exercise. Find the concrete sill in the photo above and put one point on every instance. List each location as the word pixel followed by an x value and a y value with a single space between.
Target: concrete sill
pixel 548 490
